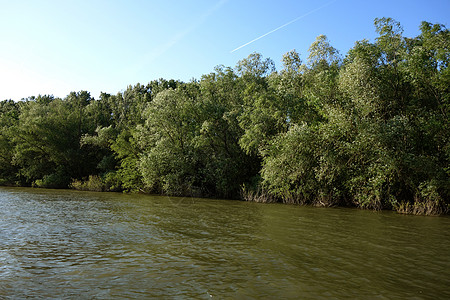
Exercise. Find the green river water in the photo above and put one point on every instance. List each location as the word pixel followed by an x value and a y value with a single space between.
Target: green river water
pixel 60 244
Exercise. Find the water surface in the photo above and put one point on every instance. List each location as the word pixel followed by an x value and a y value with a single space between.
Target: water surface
pixel 82 245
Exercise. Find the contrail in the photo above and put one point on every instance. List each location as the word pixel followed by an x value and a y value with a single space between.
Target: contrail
pixel 284 25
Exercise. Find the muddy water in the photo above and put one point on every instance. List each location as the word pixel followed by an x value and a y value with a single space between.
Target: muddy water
pixel 81 245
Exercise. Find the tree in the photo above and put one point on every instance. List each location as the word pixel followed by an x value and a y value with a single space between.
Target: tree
pixel 168 163
pixel 42 141
pixel 320 75
pixel 47 140
pixel 9 115
pixel 217 145
pixel 258 104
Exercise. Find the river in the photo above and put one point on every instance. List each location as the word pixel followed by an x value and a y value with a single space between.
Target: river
pixel 62 244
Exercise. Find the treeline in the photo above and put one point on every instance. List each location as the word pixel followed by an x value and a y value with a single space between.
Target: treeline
pixel 369 130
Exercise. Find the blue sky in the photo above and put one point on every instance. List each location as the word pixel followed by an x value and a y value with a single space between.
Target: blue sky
pixel 59 46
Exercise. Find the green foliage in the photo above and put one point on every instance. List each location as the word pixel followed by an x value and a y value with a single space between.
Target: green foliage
pixel 383 137
pixel 9 115
pixel 47 138
pixel 94 183
pixel 288 166
pixel 321 53
pixel 220 159
pixel 168 163
pixel 126 152
pixel 370 130
pixel 55 180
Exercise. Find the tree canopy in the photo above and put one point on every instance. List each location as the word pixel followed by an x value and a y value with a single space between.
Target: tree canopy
pixel 369 129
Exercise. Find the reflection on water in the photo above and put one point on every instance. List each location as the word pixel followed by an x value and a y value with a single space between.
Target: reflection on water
pixel 67 244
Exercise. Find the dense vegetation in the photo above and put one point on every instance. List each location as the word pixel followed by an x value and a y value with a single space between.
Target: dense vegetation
pixel 369 130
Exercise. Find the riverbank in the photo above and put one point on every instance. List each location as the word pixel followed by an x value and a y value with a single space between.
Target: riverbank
pixel 95 184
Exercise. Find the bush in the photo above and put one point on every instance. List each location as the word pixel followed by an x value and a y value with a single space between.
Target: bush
pixel 53 181
pixel 94 183
pixel 427 201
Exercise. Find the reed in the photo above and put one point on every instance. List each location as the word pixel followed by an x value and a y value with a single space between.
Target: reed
pixel 425 207
pixel 258 194
pixel 94 183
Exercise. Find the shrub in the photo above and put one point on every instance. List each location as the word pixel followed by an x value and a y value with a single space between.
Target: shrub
pixel 52 181
pixel 94 183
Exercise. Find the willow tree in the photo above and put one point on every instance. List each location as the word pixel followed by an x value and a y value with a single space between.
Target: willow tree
pixel 168 161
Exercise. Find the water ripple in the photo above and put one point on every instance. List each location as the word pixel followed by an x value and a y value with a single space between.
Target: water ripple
pixel 66 244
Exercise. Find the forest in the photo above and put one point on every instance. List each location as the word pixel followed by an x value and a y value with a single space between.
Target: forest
pixel 368 130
